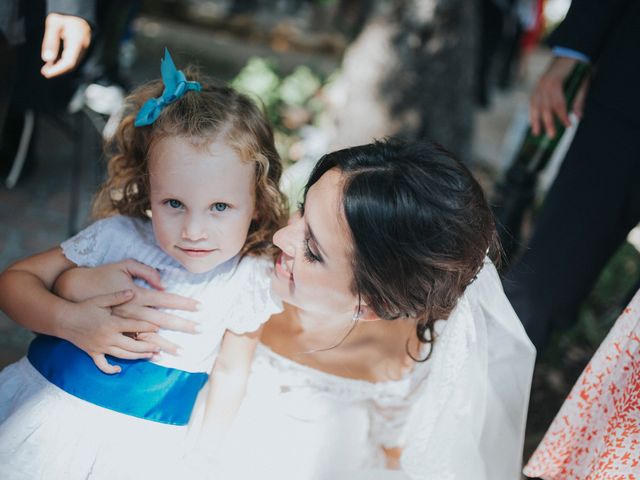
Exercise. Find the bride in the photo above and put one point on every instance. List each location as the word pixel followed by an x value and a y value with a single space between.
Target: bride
pixel 396 348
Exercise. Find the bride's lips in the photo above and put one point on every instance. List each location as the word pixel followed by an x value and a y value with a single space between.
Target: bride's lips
pixel 282 268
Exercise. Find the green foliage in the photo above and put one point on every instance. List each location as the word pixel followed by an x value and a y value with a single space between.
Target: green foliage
pixel 290 100
pixel 299 87
pixel 259 80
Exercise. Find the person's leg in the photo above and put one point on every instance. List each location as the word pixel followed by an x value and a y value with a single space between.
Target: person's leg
pixel 588 212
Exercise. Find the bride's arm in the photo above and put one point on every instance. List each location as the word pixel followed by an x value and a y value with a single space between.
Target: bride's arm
pixel 139 314
pixel 228 383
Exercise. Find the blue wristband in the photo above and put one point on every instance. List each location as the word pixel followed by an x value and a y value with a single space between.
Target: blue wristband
pixel 570 53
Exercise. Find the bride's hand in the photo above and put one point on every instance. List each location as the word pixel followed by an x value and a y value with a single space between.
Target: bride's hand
pixel 91 326
pixel 143 308
pixel 104 322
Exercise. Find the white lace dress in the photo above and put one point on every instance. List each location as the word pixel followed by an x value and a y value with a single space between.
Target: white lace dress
pixel 48 433
pixel 458 416
pixel 299 423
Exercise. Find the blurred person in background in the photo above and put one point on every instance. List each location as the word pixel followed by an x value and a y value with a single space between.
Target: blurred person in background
pixel 595 200
pixel 41 46
pixel 591 207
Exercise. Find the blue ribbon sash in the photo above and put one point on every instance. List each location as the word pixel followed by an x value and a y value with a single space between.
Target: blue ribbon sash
pixel 142 389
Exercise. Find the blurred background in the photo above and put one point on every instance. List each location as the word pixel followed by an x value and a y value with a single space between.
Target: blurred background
pixel 330 73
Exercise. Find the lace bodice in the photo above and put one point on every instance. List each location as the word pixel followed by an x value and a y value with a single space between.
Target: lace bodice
pixel 299 422
pixel 387 403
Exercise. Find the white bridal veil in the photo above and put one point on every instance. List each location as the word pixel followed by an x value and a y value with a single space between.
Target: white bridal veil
pixel 469 419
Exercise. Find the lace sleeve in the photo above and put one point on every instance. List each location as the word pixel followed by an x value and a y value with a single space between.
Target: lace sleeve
pixel 255 303
pixel 90 247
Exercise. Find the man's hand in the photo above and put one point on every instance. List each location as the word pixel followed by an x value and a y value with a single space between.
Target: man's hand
pixel 548 99
pixel 74 33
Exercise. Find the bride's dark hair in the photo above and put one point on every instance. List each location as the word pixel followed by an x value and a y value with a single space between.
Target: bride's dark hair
pixel 420 225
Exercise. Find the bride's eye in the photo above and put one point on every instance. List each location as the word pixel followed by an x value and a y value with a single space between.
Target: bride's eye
pixel 308 253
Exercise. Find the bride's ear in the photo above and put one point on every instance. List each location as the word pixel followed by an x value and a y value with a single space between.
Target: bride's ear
pixel 364 314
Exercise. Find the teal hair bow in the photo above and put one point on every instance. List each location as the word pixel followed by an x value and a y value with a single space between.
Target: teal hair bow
pixel 175 86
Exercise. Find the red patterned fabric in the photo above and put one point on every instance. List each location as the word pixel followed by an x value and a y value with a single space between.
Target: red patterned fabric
pixel 596 434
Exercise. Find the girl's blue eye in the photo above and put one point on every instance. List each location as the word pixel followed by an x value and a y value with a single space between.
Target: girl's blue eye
pixel 173 203
pixel 220 207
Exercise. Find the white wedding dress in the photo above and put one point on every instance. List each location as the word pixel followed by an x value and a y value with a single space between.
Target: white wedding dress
pixel 460 415
pixel 299 423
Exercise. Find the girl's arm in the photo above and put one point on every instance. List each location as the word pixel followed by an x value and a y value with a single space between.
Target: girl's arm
pixel 93 323
pixel 228 385
pixel 25 292
pixel 25 296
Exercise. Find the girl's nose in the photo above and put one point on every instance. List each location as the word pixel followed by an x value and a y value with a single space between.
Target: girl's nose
pixel 193 230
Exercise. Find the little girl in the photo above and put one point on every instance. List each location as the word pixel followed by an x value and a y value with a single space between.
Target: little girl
pixel 192 191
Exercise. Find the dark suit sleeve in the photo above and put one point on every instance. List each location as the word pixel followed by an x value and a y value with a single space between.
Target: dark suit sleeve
pixel 587 25
pixel 80 8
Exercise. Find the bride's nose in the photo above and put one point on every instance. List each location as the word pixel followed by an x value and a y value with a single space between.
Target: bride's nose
pixel 285 238
pixel 295 216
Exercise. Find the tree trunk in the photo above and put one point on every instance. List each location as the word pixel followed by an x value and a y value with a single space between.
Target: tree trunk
pixel 409 73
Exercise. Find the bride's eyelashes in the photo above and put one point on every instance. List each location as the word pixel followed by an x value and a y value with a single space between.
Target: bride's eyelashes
pixel 309 256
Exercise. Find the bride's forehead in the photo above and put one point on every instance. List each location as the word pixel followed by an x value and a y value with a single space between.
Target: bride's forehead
pixel 330 182
pixel 324 210
pixel 324 198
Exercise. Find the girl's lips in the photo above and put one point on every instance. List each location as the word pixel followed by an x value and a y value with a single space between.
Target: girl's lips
pixel 196 252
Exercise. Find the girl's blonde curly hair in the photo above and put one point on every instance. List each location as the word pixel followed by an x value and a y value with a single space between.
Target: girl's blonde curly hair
pixel 216 113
